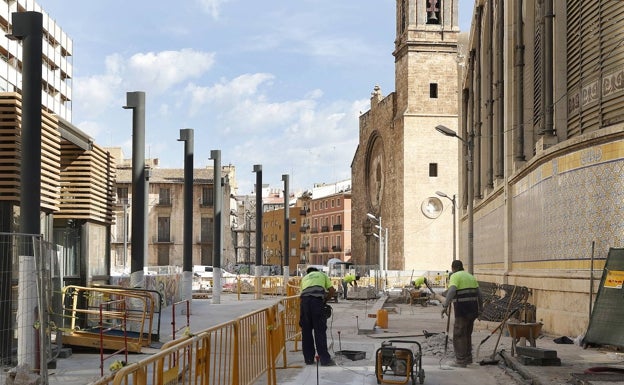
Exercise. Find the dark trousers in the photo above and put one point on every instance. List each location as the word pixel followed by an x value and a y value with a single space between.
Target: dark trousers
pixel 345 286
pixel 462 339
pixel 313 329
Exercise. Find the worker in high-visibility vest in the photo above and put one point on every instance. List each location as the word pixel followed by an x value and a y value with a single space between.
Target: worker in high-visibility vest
pixel 465 295
pixel 349 280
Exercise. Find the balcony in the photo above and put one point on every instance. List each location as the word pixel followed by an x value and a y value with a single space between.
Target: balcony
pixel 304 245
pixel 314 250
pixel 337 227
pixel 206 203
pixel 325 249
pixel 324 229
pixel 304 211
pixel 336 248
pixel 314 230
pixel 304 228
pixel 164 202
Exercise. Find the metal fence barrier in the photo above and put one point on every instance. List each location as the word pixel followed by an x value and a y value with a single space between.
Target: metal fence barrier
pixel 29 279
pixel 238 352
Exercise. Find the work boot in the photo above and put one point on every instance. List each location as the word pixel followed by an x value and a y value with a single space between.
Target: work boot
pixel 457 364
pixel 329 363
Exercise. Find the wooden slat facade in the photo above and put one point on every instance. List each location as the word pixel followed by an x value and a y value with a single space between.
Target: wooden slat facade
pixel 10 153
pixel 87 181
pixel 75 183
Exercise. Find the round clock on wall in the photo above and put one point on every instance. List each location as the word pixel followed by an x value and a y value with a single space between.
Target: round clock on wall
pixel 375 170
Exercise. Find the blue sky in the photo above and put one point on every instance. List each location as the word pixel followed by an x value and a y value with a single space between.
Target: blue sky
pixel 279 83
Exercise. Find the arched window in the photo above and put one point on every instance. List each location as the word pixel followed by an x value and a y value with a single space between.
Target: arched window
pixel 433 11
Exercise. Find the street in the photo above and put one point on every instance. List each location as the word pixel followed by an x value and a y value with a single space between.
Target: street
pixel 407 323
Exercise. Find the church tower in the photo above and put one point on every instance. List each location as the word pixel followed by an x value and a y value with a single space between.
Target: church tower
pixel 402 161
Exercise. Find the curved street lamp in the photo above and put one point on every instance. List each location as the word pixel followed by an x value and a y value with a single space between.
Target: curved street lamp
pixel 443 195
pixel 470 170
pixel 383 248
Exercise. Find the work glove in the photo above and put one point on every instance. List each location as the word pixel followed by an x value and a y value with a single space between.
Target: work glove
pixel 445 311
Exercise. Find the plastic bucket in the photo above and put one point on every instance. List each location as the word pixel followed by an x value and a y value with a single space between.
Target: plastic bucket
pixel 382 318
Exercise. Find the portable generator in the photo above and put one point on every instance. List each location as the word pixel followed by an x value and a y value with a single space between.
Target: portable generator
pixel 397 365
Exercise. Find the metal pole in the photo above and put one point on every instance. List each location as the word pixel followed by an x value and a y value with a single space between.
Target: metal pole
pixel 257 168
pixel 454 232
pixel 381 264
pixel 386 258
pixel 186 135
pixel 125 233
pixel 28 27
pixel 136 102
pixel 470 261
pixel 218 225
pixel 285 257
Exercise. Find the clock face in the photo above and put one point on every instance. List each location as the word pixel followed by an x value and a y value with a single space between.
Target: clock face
pixel 432 207
pixel 375 170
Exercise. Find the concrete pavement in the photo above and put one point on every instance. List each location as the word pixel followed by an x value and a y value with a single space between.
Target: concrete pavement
pixel 350 329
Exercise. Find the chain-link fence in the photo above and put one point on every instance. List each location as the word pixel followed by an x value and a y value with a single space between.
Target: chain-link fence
pixel 29 280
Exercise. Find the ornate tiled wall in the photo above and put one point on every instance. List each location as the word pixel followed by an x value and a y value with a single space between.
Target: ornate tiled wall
pixel 568 202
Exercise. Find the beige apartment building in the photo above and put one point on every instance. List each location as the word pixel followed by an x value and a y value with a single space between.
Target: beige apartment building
pixel 401 160
pixel 165 219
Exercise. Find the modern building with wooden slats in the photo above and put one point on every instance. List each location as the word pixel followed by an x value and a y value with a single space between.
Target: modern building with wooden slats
pixel 77 179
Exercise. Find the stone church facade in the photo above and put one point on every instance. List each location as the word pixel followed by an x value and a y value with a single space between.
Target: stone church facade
pixel 401 160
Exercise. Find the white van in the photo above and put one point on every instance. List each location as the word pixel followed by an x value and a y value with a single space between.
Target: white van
pixel 202 271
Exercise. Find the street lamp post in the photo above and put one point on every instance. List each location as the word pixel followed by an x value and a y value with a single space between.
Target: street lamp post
pixel 469 143
pixel 381 237
pixel 443 195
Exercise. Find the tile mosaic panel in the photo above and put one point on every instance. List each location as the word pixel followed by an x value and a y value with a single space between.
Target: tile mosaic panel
pixel 565 204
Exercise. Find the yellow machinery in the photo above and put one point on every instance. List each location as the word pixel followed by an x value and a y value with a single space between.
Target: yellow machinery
pixel 397 365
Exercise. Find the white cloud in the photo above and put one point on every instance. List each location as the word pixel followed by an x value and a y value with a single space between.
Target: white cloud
pixel 151 72
pixel 212 7
pixel 227 93
pixel 163 70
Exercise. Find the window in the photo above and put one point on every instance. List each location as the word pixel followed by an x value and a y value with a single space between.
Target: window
pixel 163 255
pixel 122 195
pixel 433 169
pixel 338 202
pixel 164 234
pixel 433 90
pixel 293 236
pixel 433 11
pixel 207 230
pixel 207 198
pixel 332 203
pixel 164 196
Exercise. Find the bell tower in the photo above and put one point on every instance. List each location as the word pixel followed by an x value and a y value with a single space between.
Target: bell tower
pixel 402 161
pixel 425 47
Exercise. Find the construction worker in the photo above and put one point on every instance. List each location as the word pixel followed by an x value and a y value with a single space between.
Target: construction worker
pixel 464 293
pixel 349 279
pixel 418 282
pixel 316 288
